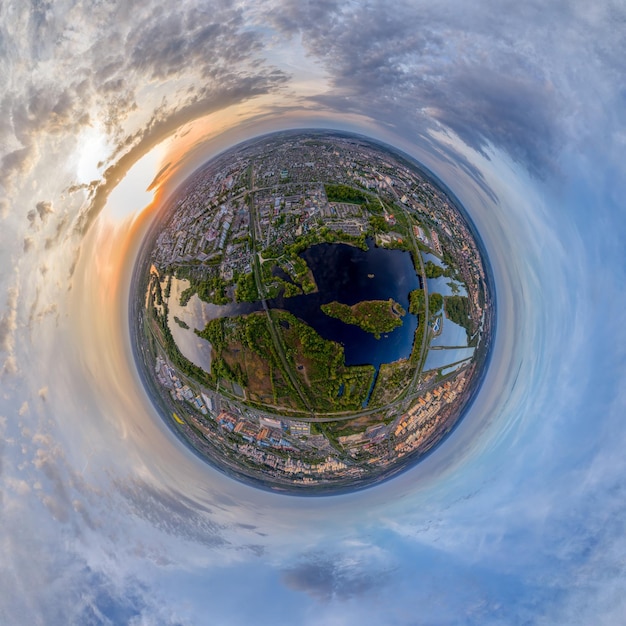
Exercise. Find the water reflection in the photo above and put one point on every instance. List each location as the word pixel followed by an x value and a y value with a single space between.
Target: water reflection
pixel 343 273
pixel 451 335
pixel 441 357
pixel 194 348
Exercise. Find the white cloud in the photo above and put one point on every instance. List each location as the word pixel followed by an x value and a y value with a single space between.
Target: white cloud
pixel 102 510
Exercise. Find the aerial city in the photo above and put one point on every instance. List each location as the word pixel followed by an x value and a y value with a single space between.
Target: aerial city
pixel 312 312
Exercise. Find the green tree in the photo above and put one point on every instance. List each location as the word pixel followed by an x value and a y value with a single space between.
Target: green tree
pixel 246 290
pixel 417 301
pixel 435 302
pixel 344 193
pixel 378 224
pixel 458 311
pixel 433 270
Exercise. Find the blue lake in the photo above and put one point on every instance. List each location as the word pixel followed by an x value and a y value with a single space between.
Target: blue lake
pixel 343 273
pixel 347 274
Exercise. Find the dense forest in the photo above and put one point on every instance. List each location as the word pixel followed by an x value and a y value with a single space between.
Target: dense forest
pixel 373 316
pixel 344 193
pixel 458 311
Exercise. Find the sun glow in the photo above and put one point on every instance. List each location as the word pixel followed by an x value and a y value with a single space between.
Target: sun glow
pixel 93 148
pixel 135 191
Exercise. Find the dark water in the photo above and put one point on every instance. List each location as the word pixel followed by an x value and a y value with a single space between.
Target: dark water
pixel 349 275
pixel 280 273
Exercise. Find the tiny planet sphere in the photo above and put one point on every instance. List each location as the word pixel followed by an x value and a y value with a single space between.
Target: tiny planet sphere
pixel 311 312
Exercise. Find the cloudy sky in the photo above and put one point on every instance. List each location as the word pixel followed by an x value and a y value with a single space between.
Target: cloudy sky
pixel 518 518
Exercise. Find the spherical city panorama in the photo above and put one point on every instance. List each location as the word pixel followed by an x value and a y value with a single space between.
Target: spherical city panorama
pixel 312 312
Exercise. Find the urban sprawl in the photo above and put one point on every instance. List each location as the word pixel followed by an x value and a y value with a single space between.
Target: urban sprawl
pixel 262 406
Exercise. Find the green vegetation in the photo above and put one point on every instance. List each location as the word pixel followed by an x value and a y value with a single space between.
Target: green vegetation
pixel 398 244
pixel 184 365
pixel 448 259
pixel 270 363
pixel 209 286
pixel 158 294
pixel 458 311
pixel 377 224
pixel 168 287
pixel 415 257
pixel 417 306
pixel 244 352
pixel 297 270
pixel 417 301
pixel 214 333
pixel 271 284
pixel 300 273
pixel 319 365
pixel 435 302
pixel 166 340
pixel 246 290
pixel 313 237
pixel 344 193
pixel 327 356
pixel 181 323
pixel 418 340
pixel 373 316
pixel 186 295
pixel 435 271
pixel 291 289
pixel 213 290
pixel 393 379
pixel 322 235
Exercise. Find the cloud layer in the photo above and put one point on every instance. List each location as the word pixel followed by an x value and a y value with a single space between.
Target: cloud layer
pixel 517 519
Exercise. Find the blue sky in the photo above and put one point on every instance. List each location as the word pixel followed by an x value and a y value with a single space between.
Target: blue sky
pixel 518 518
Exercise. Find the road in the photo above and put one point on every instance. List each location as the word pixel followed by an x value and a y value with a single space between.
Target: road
pixel 256 269
pixel 424 346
